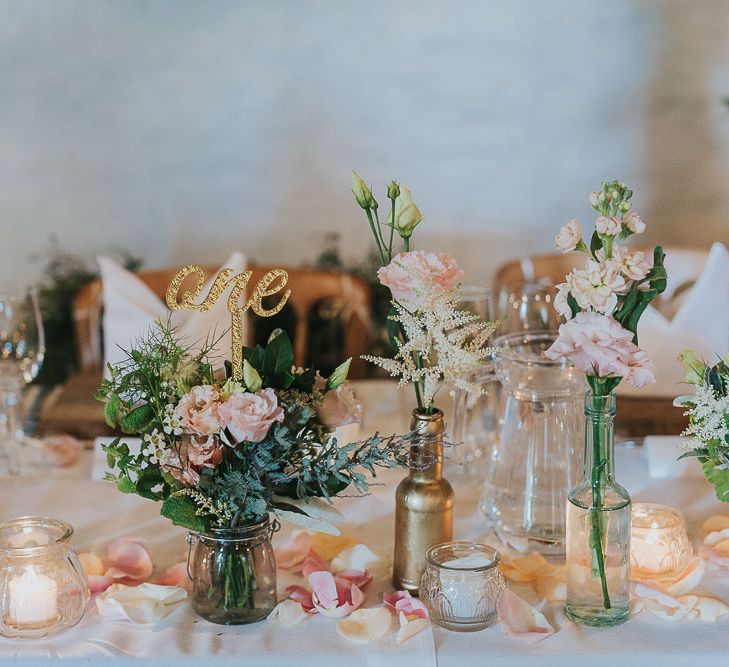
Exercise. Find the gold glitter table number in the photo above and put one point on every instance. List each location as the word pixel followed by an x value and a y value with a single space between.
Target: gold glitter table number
pixel 272 283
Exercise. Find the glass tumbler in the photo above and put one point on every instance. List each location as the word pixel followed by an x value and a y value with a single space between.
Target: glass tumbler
pixel 233 572
pixel 43 588
pixel 461 585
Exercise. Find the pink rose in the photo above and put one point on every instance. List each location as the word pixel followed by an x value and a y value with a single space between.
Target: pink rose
pixel 197 410
pixel 409 274
pixel 249 417
pixel 195 452
pixel 339 407
pixel 598 345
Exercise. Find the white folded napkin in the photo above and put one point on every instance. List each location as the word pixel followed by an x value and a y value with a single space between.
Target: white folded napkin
pixel 131 308
pixel 700 322
pixel 142 604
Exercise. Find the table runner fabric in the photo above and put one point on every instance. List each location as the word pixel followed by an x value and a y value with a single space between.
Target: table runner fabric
pixel 100 514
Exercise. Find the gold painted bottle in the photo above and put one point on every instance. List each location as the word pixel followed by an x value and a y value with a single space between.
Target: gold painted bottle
pixel 423 503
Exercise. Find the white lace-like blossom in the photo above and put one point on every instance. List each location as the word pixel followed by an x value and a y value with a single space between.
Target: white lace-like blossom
pixel 707 414
pixel 442 344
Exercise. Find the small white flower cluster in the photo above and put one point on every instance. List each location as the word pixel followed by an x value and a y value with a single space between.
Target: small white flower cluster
pixel 153 447
pixel 442 344
pixel 172 424
pixel 707 413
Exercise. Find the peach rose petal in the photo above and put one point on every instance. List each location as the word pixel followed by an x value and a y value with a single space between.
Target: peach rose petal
pixel 289 613
pixel 330 546
pixel 98 583
pixel 552 587
pixel 128 558
pixel 91 564
pixel 715 523
pixel 677 584
pixel 359 577
pixel 525 569
pixel 716 537
pixel 313 564
pixel 358 557
pixel 365 625
pixel 292 553
pixel 62 450
pixel 410 625
pixel 672 608
pixel 519 619
pixel 176 575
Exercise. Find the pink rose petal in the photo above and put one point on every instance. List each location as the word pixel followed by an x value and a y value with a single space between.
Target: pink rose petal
pixel 98 583
pixel 359 577
pixel 521 620
pixel 323 590
pixel 302 596
pixel 289 613
pixel 292 553
pixel 390 599
pixel 175 575
pixel 313 564
pixel 410 626
pixel 334 597
pixel 91 564
pixel 128 558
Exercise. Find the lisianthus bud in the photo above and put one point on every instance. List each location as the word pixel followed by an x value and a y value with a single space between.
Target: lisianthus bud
pixel 393 190
pixel 624 206
pixel 362 193
pixel 407 215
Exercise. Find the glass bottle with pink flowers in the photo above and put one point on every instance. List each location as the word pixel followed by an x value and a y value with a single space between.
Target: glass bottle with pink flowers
pixel 602 305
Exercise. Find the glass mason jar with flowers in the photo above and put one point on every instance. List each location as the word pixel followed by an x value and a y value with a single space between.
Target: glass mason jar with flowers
pixel 602 305
pixel 226 459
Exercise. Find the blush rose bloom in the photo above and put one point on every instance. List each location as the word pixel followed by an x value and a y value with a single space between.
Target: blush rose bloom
pixel 197 410
pixel 195 452
pixel 569 236
pixel 411 273
pixel 339 407
pixel 598 345
pixel 249 417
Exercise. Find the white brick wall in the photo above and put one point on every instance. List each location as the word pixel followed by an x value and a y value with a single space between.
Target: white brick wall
pixel 180 129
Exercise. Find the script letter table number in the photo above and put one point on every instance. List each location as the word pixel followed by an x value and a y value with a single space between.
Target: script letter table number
pixel 602 304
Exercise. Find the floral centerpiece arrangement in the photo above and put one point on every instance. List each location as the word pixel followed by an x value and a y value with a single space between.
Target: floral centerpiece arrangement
pixel 434 343
pixel 708 413
pixel 602 304
pixel 221 455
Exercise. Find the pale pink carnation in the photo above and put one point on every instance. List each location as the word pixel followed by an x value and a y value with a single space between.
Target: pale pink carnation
pixel 198 410
pixel 607 226
pixel 598 345
pixel 339 407
pixel 633 222
pixel 249 417
pixel 410 274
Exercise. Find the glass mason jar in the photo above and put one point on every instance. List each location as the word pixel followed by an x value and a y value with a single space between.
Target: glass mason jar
pixel 43 588
pixel 534 462
pixel 461 585
pixel 598 527
pixel 233 572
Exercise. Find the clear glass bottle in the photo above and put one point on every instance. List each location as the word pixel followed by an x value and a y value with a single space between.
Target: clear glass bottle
pixel 43 588
pixel 598 527
pixel 535 460
pixel 233 572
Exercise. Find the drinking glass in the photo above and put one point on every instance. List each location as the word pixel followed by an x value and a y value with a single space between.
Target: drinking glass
pixel 22 348
pixel 528 307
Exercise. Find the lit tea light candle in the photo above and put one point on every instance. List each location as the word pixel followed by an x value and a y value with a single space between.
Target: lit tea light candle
pixel 33 599
pixel 659 543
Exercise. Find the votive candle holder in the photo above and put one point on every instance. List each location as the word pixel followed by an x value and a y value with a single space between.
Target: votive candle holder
pixel 659 543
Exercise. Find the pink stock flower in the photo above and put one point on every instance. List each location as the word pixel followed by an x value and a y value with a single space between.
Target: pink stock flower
pixel 596 287
pixel 569 236
pixel 633 222
pixel 607 226
pixel 249 417
pixel 339 407
pixel 409 274
pixel 598 345
pixel 633 265
pixel 197 410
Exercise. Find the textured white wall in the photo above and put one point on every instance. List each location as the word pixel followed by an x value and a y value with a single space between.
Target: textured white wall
pixel 178 129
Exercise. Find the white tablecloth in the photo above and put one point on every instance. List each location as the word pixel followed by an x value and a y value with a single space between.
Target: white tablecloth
pixel 100 514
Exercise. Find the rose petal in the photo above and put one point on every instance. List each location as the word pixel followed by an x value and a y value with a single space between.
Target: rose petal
pixel 391 599
pixel 358 557
pixel 715 523
pixel 365 625
pixel 672 608
pixel 302 596
pixel 323 590
pixel 329 546
pixel 294 551
pixel 128 558
pixel 525 569
pixel 91 564
pixel 674 584
pixel 356 577
pixel 553 586
pixel 313 564
pixel 716 537
pixel 98 583
pixel 175 575
pixel 289 613
pixel 521 620
pixel 412 607
pixel 409 627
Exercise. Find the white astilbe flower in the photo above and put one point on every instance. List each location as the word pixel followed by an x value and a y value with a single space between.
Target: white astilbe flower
pixel 442 343
pixel 707 414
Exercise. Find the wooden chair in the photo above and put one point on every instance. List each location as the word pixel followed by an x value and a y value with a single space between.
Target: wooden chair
pixel 74 411
pixel 636 416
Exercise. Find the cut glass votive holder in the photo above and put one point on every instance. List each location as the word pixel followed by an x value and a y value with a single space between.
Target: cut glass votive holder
pixel 43 588
pixel 461 585
pixel 659 542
